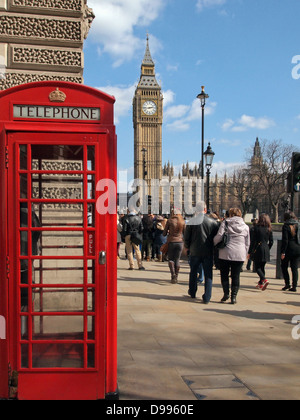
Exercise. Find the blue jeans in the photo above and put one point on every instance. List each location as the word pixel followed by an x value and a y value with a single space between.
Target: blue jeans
pixel 207 263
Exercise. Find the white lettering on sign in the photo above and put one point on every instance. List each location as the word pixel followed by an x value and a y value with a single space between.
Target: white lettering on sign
pixel 56 113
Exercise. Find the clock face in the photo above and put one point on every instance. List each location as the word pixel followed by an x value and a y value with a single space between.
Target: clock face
pixel 149 108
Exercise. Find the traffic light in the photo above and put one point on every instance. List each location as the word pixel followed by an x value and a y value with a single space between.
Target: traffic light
pixel 149 200
pixel 296 171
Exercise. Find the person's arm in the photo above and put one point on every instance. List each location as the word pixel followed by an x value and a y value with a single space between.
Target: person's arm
pixel 166 229
pixel 220 233
pixel 285 240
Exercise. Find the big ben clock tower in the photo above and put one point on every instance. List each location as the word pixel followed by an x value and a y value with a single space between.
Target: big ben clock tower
pixel 147 122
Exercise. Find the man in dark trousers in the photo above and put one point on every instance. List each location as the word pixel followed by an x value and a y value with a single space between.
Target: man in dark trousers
pixel 198 239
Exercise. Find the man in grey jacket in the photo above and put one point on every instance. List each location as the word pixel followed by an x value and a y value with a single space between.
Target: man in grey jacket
pixel 198 239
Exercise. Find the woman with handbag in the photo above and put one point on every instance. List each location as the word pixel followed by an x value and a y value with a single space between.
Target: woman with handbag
pixel 174 230
pixel 235 235
pixel 290 250
pixel 261 244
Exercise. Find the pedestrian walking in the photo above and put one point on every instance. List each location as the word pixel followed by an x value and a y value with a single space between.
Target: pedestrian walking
pixel 119 236
pixel 261 244
pixel 147 236
pixel 174 230
pixel 290 250
pixel 234 254
pixel 254 223
pixel 198 239
pixel 133 232
pixel 158 238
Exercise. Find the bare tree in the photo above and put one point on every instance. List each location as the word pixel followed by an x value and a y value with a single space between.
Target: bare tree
pixel 271 172
pixel 246 188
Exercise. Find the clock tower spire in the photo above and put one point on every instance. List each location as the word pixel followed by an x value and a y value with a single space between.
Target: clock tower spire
pixel 147 123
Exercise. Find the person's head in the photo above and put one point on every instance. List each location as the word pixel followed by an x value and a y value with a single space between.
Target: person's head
pixel 265 221
pixel 289 216
pixel 175 211
pixel 201 207
pixel 235 212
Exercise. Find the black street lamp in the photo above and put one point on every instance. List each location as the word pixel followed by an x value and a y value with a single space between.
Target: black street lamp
pixel 202 96
pixel 209 157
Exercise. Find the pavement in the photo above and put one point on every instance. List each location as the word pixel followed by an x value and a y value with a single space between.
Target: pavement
pixel 172 347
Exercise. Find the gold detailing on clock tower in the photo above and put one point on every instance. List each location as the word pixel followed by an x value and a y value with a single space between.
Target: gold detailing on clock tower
pixel 147 122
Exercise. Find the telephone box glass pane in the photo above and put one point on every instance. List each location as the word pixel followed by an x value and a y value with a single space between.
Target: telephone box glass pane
pixel 23 157
pixel 58 327
pixel 24 356
pixel 91 356
pixel 91 328
pixel 60 271
pixel 91 158
pixel 58 355
pixel 91 187
pixel 57 187
pixel 24 328
pixel 23 243
pixel 91 215
pixel 61 243
pixel 24 299
pixel 23 186
pixel 60 215
pixel 91 271
pixel 91 300
pixel 56 158
pixel 58 300
pixel 23 215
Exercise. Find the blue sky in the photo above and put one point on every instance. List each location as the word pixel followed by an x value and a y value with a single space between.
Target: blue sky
pixel 245 52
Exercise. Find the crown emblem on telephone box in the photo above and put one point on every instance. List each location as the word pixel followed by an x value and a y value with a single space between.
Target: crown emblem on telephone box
pixel 57 96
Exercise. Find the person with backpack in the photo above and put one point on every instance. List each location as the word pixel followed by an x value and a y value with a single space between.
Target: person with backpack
pixel 290 250
pixel 133 233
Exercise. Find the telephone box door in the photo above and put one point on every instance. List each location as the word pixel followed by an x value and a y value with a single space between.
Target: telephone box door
pixel 57 284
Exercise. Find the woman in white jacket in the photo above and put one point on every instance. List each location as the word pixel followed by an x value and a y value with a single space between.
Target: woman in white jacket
pixel 233 256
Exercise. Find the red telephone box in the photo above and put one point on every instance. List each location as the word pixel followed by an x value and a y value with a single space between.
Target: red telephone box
pixel 58 252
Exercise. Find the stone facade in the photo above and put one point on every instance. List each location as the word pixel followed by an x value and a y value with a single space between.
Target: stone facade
pixel 42 40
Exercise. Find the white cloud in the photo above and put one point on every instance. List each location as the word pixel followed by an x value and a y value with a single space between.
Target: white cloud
pixel 177 111
pixel 185 114
pixel 201 4
pixel 247 122
pixel 115 22
pixel 124 96
pixel 169 97
pixel 222 167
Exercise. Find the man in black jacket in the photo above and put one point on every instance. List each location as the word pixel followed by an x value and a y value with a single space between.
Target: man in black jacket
pixel 133 232
pixel 198 239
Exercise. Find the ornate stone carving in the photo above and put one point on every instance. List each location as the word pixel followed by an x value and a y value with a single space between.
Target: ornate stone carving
pixel 40 28
pixel 49 4
pixel 14 79
pixel 87 21
pixel 45 57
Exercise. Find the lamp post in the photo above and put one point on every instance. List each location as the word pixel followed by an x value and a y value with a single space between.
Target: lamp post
pixel 202 97
pixel 209 157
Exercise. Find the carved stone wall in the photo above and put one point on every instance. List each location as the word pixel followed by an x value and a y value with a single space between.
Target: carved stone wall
pixel 42 40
